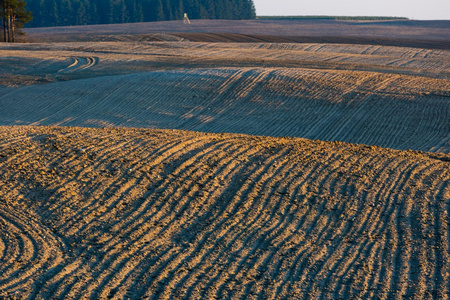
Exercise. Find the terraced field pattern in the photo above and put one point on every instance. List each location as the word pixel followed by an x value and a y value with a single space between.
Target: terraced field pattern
pixel 167 168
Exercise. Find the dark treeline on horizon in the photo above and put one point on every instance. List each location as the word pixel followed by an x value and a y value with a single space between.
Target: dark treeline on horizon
pixel 48 13
pixel 356 18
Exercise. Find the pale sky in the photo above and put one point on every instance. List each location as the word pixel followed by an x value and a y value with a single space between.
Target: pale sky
pixel 413 9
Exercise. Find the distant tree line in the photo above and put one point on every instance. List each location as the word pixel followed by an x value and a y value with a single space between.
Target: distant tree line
pixel 13 16
pixel 85 12
pixel 356 18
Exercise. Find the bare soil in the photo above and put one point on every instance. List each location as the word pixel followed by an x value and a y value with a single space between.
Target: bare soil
pixel 408 33
pixel 142 163
pixel 134 213
pixel 395 97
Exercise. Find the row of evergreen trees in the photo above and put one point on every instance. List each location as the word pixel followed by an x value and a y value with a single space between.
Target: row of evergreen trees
pixel 13 16
pixel 84 12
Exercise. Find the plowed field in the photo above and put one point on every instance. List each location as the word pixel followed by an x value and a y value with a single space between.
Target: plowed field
pixel 118 213
pixel 386 96
pixel 185 166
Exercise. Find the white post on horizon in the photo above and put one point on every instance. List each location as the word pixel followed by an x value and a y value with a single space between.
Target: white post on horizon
pixel 186 19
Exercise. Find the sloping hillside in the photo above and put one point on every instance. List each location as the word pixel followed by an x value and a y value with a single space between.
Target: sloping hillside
pixel 386 96
pixel 134 213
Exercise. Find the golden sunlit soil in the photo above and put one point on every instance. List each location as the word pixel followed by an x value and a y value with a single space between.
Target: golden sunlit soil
pixel 134 213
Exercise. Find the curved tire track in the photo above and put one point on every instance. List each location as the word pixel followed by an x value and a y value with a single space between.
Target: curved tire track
pixel 27 251
pixel 79 63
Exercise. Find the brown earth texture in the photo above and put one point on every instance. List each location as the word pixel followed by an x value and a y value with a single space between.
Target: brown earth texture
pixel 227 160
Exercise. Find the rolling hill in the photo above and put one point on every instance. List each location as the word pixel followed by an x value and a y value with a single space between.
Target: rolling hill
pixel 386 96
pixel 141 213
